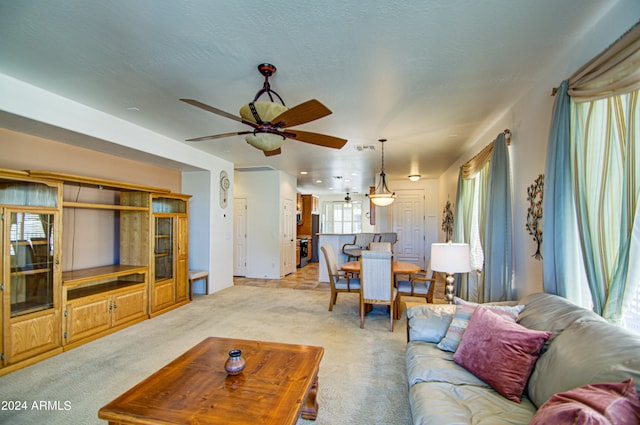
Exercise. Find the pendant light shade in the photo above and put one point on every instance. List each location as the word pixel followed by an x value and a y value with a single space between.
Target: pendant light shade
pixel 383 196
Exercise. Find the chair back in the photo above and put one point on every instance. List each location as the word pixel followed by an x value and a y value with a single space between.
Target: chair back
pixel 330 260
pixel 376 277
pixel 363 239
pixel 391 237
pixel 380 246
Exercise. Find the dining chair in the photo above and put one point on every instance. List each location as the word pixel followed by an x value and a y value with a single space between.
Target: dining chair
pixel 391 237
pixel 380 246
pixel 419 285
pixel 360 241
pixel 339 280
pixel 376 281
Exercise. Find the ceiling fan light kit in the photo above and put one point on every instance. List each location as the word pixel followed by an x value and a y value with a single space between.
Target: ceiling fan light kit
pixel 270 121
pixel 383 196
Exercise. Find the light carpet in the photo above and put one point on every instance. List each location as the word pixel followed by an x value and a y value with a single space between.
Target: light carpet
pixel 362 377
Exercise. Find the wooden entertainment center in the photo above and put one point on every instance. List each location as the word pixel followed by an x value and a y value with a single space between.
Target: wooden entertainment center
pixel 46 310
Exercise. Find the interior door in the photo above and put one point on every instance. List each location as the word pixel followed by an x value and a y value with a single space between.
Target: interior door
pixel 408 221
pixel 289 238
pixel 4 257
pixel 239 236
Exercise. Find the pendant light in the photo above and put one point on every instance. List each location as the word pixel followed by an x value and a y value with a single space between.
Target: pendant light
pixel 383 196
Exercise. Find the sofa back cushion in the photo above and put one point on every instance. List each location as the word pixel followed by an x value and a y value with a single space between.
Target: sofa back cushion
pixel 552 313
pixel 586 352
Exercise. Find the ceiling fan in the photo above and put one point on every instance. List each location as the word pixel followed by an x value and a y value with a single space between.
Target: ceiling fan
pixel 270 121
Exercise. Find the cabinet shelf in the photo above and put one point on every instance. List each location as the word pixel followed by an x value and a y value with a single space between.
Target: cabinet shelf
pixel 75 278
pixel 30 272
pixel 87 205
pixel 112 285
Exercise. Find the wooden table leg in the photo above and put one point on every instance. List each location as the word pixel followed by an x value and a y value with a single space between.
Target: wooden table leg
pixel 310 408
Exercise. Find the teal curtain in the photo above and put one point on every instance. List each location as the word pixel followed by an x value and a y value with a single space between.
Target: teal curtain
pixel 463 209
pixel 497 240
pixel 563 269
pixel 483 220
pixel 605 134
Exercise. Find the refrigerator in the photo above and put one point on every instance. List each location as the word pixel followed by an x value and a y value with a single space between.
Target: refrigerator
pixel 315 228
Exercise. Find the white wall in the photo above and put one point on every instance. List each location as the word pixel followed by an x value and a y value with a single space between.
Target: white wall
pixel 206 218
pixel 265 192
pixel 28 101
pixel 529 120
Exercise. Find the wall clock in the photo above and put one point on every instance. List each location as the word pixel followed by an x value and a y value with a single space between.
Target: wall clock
pixel 224 189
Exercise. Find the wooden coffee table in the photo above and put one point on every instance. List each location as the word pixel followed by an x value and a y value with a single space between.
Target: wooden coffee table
pixel 279 382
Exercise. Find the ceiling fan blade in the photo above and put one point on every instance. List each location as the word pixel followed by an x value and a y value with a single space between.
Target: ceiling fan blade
pixel 219 136
pixel 273 152
pixel 217 111
pixel 315 138
pixel 300 114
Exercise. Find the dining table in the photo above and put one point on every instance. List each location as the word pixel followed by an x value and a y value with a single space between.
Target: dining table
pixel 398 267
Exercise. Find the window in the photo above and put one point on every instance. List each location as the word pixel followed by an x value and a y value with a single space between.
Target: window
pixel 631 318
pixel 342 217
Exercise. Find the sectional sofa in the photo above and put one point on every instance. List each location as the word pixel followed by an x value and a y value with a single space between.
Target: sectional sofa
pixel 550 362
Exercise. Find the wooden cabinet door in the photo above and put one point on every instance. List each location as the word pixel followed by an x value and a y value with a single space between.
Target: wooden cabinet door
pixel 87 316
pixel 33 336
pixel 128 306
pixel 182 266
pixel 162 296
pixel 30 303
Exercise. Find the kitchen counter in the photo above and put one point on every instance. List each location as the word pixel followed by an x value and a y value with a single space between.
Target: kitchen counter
pixel 336 240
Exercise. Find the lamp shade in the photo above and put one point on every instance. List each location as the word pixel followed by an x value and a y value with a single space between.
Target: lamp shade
pixel 382 199
pixel 267 112
pixel 450 257
pixel 265 141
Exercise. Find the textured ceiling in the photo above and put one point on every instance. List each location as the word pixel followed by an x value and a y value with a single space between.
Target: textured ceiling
pixel 427 75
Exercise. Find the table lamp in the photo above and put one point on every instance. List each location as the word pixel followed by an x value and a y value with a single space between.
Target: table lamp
pixel 450 258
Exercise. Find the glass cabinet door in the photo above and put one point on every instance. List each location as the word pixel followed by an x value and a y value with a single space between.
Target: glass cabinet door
pixel 163 250
pixel 31 262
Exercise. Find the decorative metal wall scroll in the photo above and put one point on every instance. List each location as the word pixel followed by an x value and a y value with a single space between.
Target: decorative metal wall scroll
pixel 447 220
pixel 534 216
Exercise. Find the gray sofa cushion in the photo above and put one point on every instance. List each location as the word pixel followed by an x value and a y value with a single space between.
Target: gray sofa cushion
pixel 436 403
pixel 427 363
pixel 586 352
pixel 547 312
pixel 429 322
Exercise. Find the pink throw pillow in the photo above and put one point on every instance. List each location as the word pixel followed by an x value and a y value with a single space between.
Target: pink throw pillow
pixel 595 404
pixel 500 352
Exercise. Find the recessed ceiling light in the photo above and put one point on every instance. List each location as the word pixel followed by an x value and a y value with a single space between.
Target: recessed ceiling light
pixel 303 172
pixel 318 181
pixel 133 109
